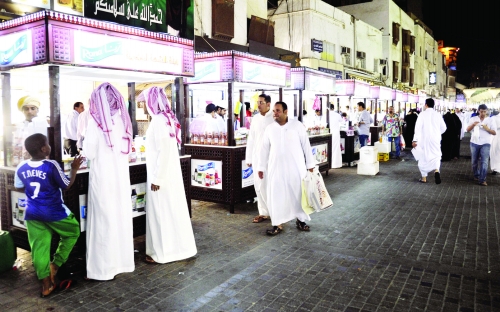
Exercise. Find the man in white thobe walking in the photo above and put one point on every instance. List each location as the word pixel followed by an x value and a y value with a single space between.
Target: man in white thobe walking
pixel 109 232
pixel 254 144
pixel 169 233
pixel 285 157
pixel 427 141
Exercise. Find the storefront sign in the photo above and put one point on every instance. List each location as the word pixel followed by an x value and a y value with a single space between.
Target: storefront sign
pixel 361 89
pixel 432 78
pixel 316 45
pixel 247 175
pixel 336 73
pixel 319 83
pixel 320 153
pixel 259 73
pixel 206 72
pixel 206 173
pixel 385 93
pixel 45 4
pixel 344 87
pixel 125 53
pixel 16 49
pixel 151 15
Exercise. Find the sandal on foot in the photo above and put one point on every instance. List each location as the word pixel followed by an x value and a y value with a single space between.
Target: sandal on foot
pixel 259 219
pixel 437 177
pixel 274 231
pixel 46 293
pixel 422 181
pixel 150 260
pixel 302 226
pixel 53 273
pixel 66 284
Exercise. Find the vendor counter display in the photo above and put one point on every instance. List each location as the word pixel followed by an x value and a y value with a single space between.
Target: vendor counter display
pixel 350 145
pixel 219 174
pixel 13 203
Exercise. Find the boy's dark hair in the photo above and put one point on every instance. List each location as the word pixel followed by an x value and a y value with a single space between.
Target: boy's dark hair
pixel 283 104
pixel 266 97
pixel 34 143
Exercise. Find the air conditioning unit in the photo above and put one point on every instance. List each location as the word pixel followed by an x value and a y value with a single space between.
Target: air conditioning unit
pixel 361 55
pixel 346 50
pixel 383 62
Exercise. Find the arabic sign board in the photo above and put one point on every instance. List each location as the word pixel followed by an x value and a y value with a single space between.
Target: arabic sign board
pixel 174 17
pixel 344 87
pixel 209 71
pixel 336 73
pixel 265 74
pixel 432 78
pixel 316 45
pixel 105 51
pixel 16 48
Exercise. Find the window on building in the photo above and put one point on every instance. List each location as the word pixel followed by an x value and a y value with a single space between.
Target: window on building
pixel 328 53
pixel 406 38
pixel 347 59
pixel 395 71
pixel 395 33
pixel 361 59
pixel 406 58
pixel 412 77
pixel 412 44
pixel 404 74
pixel 346 55
pixel 223 20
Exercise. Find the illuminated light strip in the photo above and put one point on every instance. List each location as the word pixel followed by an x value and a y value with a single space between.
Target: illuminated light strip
pixel 202 55
pixel 78 20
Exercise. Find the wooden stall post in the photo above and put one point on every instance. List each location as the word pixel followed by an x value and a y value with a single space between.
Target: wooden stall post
pixel 280 94
pixel 230 113
pixel 243 109
pixel 328 113
pixel 301 107
pixel 295 113
pixel 180 109
pixel 5 108
pixel 187 112
pixel 55 111
pixel 132 108
pixel 338 105
pixel 375 121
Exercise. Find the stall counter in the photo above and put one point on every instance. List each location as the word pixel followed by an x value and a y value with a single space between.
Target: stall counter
pixel 75 200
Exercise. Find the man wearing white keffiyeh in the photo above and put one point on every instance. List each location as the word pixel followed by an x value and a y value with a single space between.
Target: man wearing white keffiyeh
pixel 110 245
pixel 169 234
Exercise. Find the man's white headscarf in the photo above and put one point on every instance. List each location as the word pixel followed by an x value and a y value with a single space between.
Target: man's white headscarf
pixel 158 105
pixel 105 102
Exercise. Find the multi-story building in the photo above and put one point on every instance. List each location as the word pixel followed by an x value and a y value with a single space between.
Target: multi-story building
pixel 408 46
pixel 329 39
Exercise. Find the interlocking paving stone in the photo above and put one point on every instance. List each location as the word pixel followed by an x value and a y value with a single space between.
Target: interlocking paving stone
pixel 389 243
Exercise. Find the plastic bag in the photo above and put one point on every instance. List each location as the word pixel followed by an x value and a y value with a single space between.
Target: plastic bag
pixel 402 142
pixel 316 104
pixel 317 194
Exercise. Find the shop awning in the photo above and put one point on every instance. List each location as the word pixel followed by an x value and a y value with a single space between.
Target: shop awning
pixel 368 79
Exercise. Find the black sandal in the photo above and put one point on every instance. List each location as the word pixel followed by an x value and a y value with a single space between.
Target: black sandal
pixel 274 231
pixel 302 226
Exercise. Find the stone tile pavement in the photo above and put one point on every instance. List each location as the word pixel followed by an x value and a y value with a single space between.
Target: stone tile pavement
pixel 389 243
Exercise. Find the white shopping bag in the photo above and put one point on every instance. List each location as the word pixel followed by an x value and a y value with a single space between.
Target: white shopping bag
pixel 317 194
pixel 417 153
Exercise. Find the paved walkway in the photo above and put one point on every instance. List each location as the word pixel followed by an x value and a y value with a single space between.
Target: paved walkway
pixel 388 244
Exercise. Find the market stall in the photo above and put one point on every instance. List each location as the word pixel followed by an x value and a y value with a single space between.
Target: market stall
pixel 219 172
pixel 61 58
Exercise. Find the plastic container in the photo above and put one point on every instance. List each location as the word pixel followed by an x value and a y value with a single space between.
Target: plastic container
pixel 368 154
pixel 368 169
pixel 384 147
pixel 383 156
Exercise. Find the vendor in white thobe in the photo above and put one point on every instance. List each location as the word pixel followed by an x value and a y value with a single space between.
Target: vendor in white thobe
pixel 109 233
pixel 427 141
pixel 336 121
pixel 169 234
pixel 32 124
pixel 254 144
pixel 285 157
pixel 221 120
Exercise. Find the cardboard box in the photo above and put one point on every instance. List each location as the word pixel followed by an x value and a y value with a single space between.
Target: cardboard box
pixel 368 169
pixel 383 156
pixel 368 154
pixel 383 147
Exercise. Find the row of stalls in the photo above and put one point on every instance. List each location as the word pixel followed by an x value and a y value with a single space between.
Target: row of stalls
pixel 60 59
pixel 226 78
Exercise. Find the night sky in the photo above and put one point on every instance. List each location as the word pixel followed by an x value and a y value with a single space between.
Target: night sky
pixel 472 26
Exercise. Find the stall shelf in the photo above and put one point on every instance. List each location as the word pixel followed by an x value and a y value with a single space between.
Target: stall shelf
pixel 230 72
pixel 57 46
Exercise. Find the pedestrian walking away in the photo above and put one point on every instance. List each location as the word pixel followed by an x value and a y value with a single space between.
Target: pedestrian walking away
pixel 427 143
pixel 391 126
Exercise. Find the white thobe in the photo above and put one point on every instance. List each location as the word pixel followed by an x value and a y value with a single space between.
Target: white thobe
pixel 71 126
pixel 81 128
pixel 254 146
pixel 495 146
pixel 285 157
pixel 461 116
pixel 26 128
pixel 169 233
pixel 110 241
pixel 335 122
pixel 428 129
